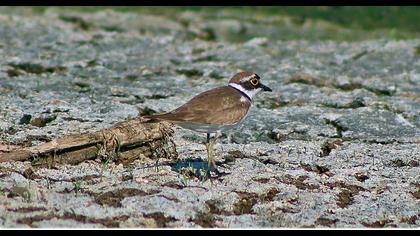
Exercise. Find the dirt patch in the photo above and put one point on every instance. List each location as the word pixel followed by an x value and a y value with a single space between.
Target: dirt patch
pixel 345 198
pixel 276 102
pixel 27 209
pixel 238 155
pixel 298 182
pixel 30 220
pixel 146 111
pixel 85 178
pixel 18 191
pixel 42 121
pixel 338 127
pixel 416 194
pixel 329 145
pixel 107 222
pixel 30 174
pixel 4 171
pixel 232 155
pixel 157 96
pixel 325 221
pixel 190 72
pixel 289 210
pixel 355 189
pixel 268 161
pixel 78 21
pixel 174 185
pixel 215 209
pixel 160 219
pixel 269 196
pixel 168 198
pixel 113 198
pixel 319 82
pixel 413 163
pixel 317 169
pixel 361 177
pixel 355 85
pixel 355 103
pixel 262 180
pixel 376 224
pixel 410 220
pixel 401 163
pixel 113 222
pixel 247 201
pixel 22 68
pixel 76 179
pixel 205 220
pixel 309 80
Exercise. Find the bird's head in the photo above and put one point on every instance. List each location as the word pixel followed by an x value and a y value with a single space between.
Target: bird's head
pixel 248 83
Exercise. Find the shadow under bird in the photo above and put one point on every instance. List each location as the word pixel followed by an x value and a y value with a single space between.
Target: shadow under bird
pixel 216 110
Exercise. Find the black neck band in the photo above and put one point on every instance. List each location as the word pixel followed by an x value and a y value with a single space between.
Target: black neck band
pixel 243 93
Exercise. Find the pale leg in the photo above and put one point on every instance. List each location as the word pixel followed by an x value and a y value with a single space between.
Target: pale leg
pixel 210 152
pixel 210 149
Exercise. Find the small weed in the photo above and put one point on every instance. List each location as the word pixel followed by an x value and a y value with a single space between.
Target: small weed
pixel 36 161
pixel 105 165
pixel 184 180
pixel 204 175
pixel 77 187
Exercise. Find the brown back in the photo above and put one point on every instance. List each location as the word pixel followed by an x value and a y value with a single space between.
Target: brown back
pixel 221 105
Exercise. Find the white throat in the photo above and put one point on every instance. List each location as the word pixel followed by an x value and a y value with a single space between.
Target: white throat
pixel 250 93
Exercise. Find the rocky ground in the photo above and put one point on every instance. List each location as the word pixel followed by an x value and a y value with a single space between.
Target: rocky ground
pixel 336 144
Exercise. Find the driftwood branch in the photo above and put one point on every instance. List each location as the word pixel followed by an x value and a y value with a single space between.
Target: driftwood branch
pixel 124 142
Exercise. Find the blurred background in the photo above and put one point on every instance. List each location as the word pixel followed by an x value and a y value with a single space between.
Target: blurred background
pixel 286 22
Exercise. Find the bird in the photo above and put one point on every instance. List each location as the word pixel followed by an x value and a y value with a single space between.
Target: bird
pixel 216 110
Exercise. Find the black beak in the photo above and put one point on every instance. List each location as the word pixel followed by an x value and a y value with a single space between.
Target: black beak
pixel 265 88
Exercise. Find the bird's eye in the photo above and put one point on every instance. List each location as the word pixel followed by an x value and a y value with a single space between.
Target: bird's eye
pixel 254 81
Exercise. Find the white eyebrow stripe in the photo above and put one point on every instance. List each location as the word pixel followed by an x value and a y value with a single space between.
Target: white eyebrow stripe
pixel 246 78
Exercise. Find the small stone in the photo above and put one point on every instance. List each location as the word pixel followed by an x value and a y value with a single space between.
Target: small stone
pixel 26 119
pixel 142 180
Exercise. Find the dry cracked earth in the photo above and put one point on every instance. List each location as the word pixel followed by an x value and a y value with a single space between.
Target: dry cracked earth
pixel 336 144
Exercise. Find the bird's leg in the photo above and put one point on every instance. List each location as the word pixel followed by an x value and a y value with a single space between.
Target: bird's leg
pixel 212 156
pixel 210 151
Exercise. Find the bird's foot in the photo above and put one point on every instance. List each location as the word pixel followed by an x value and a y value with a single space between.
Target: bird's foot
pixel 210 173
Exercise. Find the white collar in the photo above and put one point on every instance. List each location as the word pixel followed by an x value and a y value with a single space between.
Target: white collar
pixel 250 94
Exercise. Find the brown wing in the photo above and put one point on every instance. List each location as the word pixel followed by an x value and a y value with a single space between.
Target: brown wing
pixel 217 106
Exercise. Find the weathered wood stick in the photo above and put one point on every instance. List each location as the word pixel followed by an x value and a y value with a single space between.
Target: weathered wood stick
pixel 125 142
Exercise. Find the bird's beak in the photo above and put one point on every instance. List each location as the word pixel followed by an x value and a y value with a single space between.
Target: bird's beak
pixel 265 88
